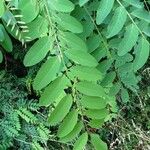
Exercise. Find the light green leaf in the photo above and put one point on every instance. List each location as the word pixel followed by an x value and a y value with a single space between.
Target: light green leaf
pixel 98 143
pixel 117 22
pixel 69 23
pixel 61 5
pixel 141 54
pixel 6 43
pixel 97 114
pixel 47 73
pixel 109 78
pixel 74 42
pixel 135 3
pixel 105 65
pixel 38 51
pixel 81 142
pixel 2 37
pixel 96 123
pixel 68 124
pixel 121 60
pixel 61 110
pixel 86 73
pixel 78 127
pixel 81 57
pixel 29 10
pixel 1 57
pixel 142 14
pixel 90 89
pixel 115 89
pixel 93 42
pixel 129 40
pixel 104 9
pixel 37 28
pixel 93 102
pixel 54 90
pixel 2 8
pixel 82 2
pixel 124 95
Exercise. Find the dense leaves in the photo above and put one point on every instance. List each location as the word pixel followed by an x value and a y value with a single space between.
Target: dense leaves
pixel 86 54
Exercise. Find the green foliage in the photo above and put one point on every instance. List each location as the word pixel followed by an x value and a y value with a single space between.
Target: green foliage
pixel 19 123
pixel 79 65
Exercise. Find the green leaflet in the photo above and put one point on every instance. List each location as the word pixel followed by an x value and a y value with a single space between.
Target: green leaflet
pixel 37 28
pixel 115 89
pixel 81 142
pixel 82 2
pixel 121 60
pixel 100 53
pixel 61 110
pixel 96 114
pixel 61 5
pixel 93 102
pixel 93 42
pixel 141 14
pixel 135 3
pixel 6 43
pixel 108 79
pixel 74 42
pixel 124 95
pixel 47 73
pixel 2 8
pixel 68 124
pixel 129 40
pixel 141 54
pixel 96 123
pixel 7 16
pixel 81 57
pixel 1 57
pixel 2 37
pixel 69 23
pixel 117 22
pixel 54 90
pixel 29 10
pixel 38 51
pixel 104 9
pixel 105 65
pixel 98 143
pixel 90 89
pixel 86 73
pixel 78 127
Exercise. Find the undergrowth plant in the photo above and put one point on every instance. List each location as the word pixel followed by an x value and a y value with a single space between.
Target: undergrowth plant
pixel 89 51
pixel 21 124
